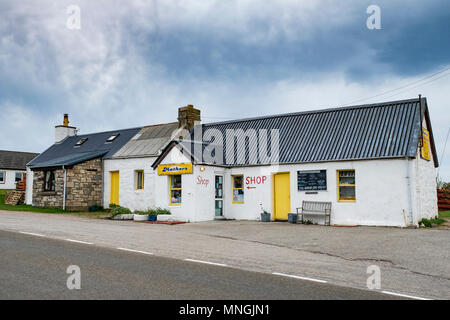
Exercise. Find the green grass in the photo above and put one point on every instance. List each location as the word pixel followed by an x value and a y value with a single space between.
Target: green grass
pixel 28 208
pixel 444 214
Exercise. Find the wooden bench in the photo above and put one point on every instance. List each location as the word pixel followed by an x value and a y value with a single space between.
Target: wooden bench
pixel 315 208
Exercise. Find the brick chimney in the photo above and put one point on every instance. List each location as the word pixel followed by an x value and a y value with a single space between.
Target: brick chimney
pixel 188 116
pixel 63 131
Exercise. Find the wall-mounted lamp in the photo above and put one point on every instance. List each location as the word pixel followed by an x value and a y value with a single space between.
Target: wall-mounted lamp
pixel 202 169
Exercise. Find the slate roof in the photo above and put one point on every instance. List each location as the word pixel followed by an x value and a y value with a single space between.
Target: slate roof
pixel 373 131
pixel 149 141
pixel 14 160
pixel 67 153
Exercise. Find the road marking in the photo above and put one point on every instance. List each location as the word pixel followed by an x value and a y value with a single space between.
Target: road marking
pixel 136 251
pixel 298 277
pixel 404 295
pixel 33 234
pixel 207 262
pixel 78 241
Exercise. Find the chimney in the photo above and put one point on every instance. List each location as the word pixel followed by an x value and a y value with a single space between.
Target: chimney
pixel 63 131
pixel 188 116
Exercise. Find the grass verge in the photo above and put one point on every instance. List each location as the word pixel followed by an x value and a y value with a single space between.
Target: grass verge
pixel 28 208
pixel 444 214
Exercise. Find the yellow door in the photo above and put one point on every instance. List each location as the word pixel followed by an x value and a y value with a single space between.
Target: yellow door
pixel 281 196
pixel 114 188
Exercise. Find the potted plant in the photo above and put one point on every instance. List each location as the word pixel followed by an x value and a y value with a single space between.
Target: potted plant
pixel 140 216
pixel 265 216
pixel 152 215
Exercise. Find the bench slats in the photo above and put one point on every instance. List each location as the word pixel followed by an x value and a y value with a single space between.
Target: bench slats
pixel 316 208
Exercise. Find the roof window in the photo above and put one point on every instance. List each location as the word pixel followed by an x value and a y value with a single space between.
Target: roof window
pixel 80 142
pixel 113 137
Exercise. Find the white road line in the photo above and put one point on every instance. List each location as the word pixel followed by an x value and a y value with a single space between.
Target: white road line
pixel 404 295
pixel 207 262
pixel 136 251
pixel 298 277
pixel 78 241
pixel 33 234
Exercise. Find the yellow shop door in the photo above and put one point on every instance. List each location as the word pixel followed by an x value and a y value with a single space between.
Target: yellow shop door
pixel 281 196
pixel 114 188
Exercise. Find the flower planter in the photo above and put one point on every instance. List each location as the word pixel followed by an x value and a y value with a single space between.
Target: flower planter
pixel 265 217
pixel 152 217
pixel 123 217
pixel 140 217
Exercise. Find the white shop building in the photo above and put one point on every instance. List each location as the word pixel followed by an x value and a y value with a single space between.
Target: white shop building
pixel 374 163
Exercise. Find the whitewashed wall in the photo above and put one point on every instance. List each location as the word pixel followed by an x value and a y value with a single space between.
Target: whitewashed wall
pixel 10 181
pixel 425 187
pixel 128 195
pixel 381 192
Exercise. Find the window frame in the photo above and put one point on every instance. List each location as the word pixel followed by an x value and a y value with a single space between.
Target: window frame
pixel 52 172
pixel 234 188
pixel 339 185
pixel 137 180
pixel 175 189
pixel 4 177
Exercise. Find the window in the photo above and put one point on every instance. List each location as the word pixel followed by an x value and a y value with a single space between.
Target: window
pixel 238 189
pixel 2 176
pixel 346 185
pixel 175 189
pixel 19 176
pixel 140 180
pixel 113 137
pixel 80 142
pixel 49 181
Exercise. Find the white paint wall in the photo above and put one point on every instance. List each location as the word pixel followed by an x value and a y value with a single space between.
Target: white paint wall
pixel 381 192
pixel 10 179
pixel 425 188
pixel 128 195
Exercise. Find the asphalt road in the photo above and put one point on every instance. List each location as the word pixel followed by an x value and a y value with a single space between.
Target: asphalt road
pixel 35 268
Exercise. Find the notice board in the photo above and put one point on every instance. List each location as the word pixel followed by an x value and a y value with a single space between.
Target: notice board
pixel 312 180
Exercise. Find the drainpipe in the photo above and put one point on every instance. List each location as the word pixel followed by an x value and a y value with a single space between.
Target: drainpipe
pixel 410 200
pixel 64 192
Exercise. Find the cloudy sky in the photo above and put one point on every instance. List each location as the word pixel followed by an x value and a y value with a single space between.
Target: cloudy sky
pixel 134 63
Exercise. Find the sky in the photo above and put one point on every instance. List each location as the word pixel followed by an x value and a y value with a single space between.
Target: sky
pixel 133 63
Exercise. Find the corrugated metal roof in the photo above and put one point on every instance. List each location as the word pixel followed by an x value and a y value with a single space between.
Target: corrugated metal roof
pixel 148 142
pixel 66 152
pixel 375 131
pixel 14 160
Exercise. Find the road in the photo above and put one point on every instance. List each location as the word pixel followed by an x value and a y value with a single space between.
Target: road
pixel 33 267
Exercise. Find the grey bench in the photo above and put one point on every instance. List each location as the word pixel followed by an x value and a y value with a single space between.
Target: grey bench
pixel 315 208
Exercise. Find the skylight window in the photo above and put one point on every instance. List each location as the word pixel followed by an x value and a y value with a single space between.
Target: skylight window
pixel 113 137
pixel 80 142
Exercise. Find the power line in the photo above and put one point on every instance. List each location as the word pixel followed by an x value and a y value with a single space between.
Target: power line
pixel 402 87
pixel 443 152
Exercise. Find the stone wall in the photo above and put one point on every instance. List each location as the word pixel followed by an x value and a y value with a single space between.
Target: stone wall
pixel 48 199
pixel 84 187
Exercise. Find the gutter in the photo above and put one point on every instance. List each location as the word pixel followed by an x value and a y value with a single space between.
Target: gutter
pixel 65 183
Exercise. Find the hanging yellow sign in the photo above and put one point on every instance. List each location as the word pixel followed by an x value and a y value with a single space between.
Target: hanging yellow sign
pixel 170 169
pixel 425 152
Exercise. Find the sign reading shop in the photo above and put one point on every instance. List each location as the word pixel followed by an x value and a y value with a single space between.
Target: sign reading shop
pixel 312 180
pixel 178 168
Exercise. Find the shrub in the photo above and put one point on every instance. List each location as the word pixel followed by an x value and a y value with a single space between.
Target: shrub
pixel 428 223
pixel 119 210
pixel 156 211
